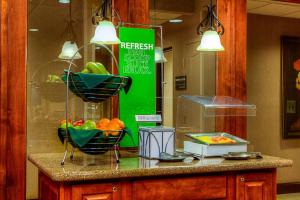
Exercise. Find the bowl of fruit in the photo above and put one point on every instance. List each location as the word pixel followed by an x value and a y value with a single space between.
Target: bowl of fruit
pixel 93 137
pixel 95 84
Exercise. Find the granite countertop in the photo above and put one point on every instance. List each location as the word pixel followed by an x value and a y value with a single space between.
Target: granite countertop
pixel 99 167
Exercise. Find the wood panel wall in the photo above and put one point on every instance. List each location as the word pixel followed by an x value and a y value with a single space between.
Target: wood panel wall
pixel 231 64
pixel 13 39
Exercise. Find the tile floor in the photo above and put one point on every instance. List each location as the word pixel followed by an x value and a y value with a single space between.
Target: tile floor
pixel 291 196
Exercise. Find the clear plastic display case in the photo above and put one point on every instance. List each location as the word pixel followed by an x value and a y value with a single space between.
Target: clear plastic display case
pixel 199 114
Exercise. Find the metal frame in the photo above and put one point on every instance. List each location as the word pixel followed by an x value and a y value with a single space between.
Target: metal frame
pixel 67 137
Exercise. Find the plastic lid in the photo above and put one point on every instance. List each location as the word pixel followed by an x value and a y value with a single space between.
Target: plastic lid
pixel 222 105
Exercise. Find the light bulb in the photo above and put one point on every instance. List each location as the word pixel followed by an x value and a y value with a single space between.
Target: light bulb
pixel 210 42
pixel 105 33
pixel 68 51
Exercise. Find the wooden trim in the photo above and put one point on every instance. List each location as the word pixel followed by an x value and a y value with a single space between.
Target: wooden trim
pixel 274 181
pixel 231 64
pixel 290 1
pixel 3 101
pixel 285 188
pixel 13 35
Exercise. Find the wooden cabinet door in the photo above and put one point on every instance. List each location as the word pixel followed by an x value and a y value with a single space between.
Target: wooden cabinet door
pixel 255 186
pixel 48 190
pixel 107 191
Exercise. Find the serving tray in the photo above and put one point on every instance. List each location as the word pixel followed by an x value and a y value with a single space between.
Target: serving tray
pixel 238 141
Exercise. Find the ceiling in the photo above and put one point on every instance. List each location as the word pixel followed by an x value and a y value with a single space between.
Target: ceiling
pixel 261 7
pixel 274 8
pixel 160 17
pixel 163 12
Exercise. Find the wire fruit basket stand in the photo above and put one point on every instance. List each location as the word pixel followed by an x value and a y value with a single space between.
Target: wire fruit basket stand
pixel 93 88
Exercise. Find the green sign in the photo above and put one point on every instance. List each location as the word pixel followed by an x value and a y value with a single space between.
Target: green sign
pixel 137 61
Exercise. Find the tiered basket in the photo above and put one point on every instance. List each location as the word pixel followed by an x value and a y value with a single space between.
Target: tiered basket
pixel 108 86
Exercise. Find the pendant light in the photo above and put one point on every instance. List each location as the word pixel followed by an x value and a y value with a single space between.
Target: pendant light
pixel 159 55
pixel 64 1
pixel 68 51
pixel 70 47
pixel 207 28
pixel 105 32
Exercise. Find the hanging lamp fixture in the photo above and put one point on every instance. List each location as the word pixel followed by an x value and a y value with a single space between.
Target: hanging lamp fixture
pixel 64 1
pixel 159 55
pixel 105 32
pixel 208 29
pixel 70 47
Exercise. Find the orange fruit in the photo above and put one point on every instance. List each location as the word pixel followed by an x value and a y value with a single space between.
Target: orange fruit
pixel 118 121
pixel 114 128
pixel 103 122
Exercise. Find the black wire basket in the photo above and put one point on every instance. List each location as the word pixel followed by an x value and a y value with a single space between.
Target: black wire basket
pixel 106 85
pixel 99 144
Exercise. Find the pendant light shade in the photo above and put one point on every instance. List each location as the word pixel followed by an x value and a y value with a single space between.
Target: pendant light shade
pixel 159 55
pixel 64 1
pixel 210 42
pixel 105 33
pixel 69 49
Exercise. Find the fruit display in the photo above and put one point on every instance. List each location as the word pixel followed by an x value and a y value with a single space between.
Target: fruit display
pixel 109 127
pixel 53 79
pixel 215 139
pixel 95 68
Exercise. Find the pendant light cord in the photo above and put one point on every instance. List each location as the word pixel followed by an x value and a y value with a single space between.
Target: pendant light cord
pixel 211 16
pixel 105 12
pixel 104 9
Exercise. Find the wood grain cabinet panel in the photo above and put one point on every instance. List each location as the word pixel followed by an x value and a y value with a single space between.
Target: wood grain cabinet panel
pixel 105 191
pixel 255 186
pixel 207 187
pixel 47 189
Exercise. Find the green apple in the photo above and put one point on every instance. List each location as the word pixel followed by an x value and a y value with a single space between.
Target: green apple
pixel 85 71
pixel 77 127
pixel 102 68
pixel 93 68
pixel 89 125
pixel 64 125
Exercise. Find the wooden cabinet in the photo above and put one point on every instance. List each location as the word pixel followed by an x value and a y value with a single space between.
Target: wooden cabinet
pixel 253 185
pixel 206 187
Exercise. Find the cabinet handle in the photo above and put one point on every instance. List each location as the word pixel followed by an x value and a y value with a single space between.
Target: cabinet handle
pixel 114 189
pixel 242 179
